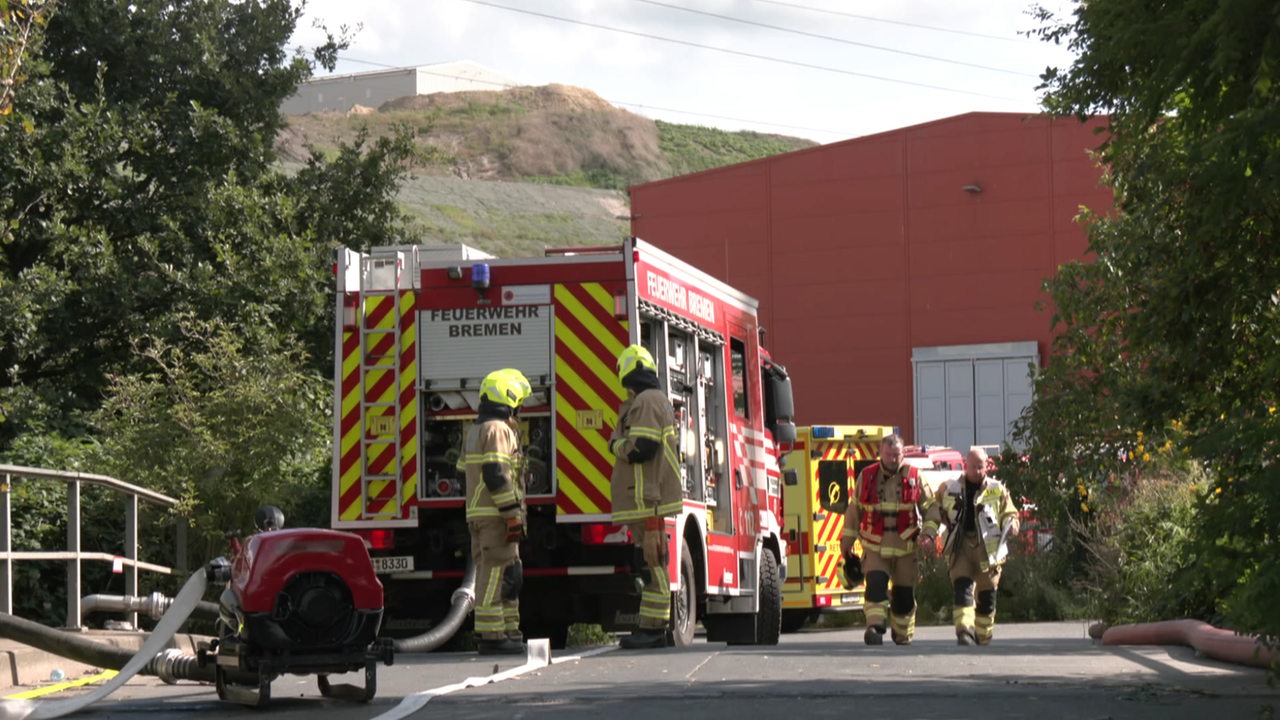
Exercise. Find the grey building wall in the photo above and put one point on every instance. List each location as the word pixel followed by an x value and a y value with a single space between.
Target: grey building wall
pixel 372 89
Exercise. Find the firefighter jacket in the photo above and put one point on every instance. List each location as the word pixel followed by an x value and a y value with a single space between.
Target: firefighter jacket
pixel 492 441
pixel 886 510
pixel 995 517
pixel 651 487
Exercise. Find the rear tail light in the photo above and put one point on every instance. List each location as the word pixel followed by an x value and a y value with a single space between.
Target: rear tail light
pixel 605 533
pixel 378 539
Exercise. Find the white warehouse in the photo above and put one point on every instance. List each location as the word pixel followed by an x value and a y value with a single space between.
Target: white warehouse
pixel 372 89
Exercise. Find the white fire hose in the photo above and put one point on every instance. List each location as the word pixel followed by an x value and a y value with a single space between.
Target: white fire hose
pixel 183 605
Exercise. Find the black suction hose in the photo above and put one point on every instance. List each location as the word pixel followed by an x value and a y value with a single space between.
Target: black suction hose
pixel 463 600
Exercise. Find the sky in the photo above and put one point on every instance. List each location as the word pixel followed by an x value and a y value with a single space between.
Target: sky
pixel 826 70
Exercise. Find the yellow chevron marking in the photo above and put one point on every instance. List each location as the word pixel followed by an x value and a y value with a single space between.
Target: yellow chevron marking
pixel 375 302
pixel 572 491
pixel 593 401
pixel 612 345
pixel 409 413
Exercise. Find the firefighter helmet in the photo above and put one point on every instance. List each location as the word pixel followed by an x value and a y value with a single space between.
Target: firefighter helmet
pixel 635 356
pixel 507 387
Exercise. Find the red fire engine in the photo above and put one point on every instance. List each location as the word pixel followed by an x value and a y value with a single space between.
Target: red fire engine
pixel 415 336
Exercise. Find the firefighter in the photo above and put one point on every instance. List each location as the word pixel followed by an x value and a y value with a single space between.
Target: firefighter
pixel 979 517
pixel 885 514
pixel 646 486
pixel 491 461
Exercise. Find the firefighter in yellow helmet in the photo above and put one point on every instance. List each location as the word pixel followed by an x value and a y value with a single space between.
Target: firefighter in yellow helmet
pixel 980 517
pixel 646 485
pixel 884 514
pixel 491 462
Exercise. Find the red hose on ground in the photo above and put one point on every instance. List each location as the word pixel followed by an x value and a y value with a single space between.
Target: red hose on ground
pixel 1210 641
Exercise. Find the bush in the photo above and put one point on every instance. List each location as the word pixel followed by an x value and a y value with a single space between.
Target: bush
pixel 1034 587
pixel 1141 559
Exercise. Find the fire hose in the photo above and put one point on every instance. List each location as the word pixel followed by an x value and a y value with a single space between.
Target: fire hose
pixel 155 657
pixel 1212 642
pixel 460 605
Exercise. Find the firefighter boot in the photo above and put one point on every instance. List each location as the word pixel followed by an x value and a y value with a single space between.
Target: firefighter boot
pixel 644 639
pixel 874 635
pixel 505 646
pixel 963 619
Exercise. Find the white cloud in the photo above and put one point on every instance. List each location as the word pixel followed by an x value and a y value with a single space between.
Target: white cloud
pixel 764 79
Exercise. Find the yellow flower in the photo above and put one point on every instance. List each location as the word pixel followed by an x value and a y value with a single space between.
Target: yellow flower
pixel 1139 436
pixel 1146 457
pixel 1271 410
pixel 1138 450
pixel 1084 507
pixel 1217 491
pixel 1195 488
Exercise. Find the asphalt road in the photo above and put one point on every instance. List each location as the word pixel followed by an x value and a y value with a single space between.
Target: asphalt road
pixel 1043 671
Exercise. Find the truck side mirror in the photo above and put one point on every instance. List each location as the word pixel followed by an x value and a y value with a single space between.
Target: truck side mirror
pixel 784 433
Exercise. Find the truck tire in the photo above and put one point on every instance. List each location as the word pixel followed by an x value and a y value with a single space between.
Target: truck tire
pixel 684 601
pixel 769 620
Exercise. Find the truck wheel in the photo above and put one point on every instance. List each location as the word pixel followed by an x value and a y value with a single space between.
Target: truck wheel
pixel 769 621
pixel 684 601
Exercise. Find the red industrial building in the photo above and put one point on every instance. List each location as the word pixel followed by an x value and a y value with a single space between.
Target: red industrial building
pixel 900 275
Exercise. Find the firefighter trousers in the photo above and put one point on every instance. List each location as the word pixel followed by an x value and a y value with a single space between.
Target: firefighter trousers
pixel 499 576
pixel 969 574
pixel 903 571
pixel 655 598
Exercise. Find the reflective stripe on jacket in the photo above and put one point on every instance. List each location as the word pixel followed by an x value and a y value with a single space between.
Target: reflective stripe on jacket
pixel 651 488
pixel 995 514
pixel 492 441
pixel 866 517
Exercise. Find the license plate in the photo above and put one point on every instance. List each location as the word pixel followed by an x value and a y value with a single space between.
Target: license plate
pixel 398 563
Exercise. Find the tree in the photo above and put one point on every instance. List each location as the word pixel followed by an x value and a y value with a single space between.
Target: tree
pixel 225 422
pixel 146 190
pixel 166 288
pixel 21 25
pixel 1169 340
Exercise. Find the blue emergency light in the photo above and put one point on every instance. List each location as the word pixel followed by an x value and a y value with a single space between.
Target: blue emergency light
pixel 480 276
pixel 823 431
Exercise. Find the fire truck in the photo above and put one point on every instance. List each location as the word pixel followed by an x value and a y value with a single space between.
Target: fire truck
pixel 416 333
pixel 819 474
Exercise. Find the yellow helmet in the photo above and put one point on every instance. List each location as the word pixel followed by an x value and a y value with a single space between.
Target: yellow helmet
pixel 635 356
pixel 507 387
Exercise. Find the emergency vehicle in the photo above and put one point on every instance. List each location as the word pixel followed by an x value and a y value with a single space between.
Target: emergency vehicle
pixel 415 337
pixel 818 478
pixel 933 457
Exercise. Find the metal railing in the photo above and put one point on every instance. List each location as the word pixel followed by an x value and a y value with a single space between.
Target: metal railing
pixel 130 564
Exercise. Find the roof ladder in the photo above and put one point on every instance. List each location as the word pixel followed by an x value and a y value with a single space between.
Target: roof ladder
pixel 380 348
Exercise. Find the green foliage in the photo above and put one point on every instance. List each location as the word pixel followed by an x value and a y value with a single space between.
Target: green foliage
pixel 224 423
pixel 1144 563
pixel 693 148
pixel 1035 586
pixel 1167 341
pixel 22 24
pixel 166 289
pixel 586 636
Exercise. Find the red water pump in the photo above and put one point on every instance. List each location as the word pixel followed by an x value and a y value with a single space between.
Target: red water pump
pixel 297 601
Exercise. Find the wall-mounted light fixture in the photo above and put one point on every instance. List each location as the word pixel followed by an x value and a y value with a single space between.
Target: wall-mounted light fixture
pixel 972 188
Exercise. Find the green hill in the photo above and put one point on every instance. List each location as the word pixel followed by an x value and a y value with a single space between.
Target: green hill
pixel 518 170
